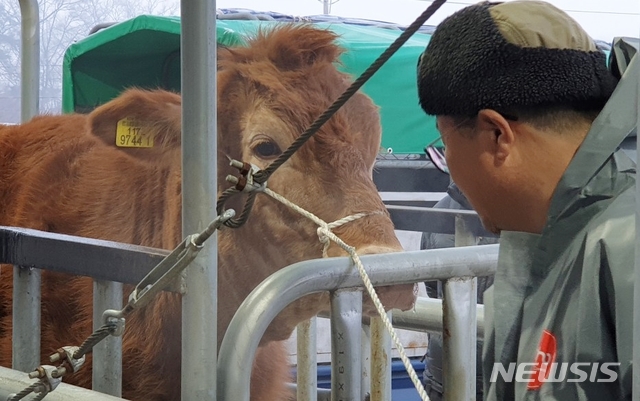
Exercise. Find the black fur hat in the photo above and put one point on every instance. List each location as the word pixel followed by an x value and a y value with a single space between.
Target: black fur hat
pixel 511 55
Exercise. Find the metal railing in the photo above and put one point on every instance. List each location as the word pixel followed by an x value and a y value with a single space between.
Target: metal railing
pixel 293 282
pixel 110 263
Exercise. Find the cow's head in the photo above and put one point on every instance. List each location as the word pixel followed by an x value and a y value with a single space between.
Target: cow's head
pixel 269 93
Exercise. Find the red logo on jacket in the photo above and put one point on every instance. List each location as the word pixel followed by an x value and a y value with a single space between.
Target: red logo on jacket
pixel 545 357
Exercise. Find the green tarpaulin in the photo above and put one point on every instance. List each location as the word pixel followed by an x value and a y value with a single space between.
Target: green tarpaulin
pixel 143 52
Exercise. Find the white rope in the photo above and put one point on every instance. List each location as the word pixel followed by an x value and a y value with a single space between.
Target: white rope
pixel 326 235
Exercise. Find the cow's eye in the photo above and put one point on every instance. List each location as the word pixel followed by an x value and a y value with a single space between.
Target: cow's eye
pixel 267 149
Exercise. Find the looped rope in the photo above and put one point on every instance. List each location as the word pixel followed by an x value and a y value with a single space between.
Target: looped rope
pixel 326 236
pixel 324 230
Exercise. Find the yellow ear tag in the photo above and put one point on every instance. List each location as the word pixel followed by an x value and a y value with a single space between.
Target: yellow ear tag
pixel 129 134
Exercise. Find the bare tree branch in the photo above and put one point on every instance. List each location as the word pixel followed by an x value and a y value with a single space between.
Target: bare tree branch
pixel 63 22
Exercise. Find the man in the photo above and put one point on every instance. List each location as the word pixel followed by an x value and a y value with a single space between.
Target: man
pixel 516 88
pixel 432 377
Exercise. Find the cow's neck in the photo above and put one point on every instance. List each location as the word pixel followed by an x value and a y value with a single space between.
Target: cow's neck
pixel 249 254
pixel 242 265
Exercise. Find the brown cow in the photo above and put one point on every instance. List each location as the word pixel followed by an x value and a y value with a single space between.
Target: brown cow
pixel 65 174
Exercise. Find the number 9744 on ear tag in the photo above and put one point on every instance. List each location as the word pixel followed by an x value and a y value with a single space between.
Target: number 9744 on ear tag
pixel 131 134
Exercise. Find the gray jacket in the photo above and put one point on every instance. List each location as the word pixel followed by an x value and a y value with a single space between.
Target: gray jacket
pixel 566 296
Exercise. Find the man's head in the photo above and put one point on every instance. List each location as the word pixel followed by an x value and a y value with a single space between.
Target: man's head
pixel 515 87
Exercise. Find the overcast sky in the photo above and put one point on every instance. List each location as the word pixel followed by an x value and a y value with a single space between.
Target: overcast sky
pixel 602 19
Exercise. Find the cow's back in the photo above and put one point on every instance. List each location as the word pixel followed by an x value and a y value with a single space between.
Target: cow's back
pixel 55 175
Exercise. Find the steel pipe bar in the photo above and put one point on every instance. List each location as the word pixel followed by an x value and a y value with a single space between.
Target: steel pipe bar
pixel 412 175
pixel 107 355
pixel 26 323
pixel 365 359
pixel 426 316
pixel 380 359
pixel 439 221
pixel 459 327
pixel 458 339
pixel 26 282
pixel 346 321
pixel 307 369
pixel 102 260
pixel 199 193
pixel 285 286
pixel 29 60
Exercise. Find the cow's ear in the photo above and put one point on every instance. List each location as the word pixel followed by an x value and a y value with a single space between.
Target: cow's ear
pixel 144 124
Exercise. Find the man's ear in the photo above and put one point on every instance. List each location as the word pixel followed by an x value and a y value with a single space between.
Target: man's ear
pixel 498 133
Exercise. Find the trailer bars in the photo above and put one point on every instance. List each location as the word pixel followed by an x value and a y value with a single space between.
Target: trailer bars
pixel 109 262
pixel 337 275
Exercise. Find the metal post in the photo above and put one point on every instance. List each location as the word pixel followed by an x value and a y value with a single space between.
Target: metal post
pixel 325 6
pixel 107 355
pixel 380 360
pixel 307 371
pixel 199 191
pixel 30 60
pixel 26 282
pixel 426 316
pixel 26 328
pixel 365 359
pixel 459 322
pixel 346 320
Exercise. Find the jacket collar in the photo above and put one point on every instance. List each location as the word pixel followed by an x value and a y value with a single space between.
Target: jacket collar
pixel 593 172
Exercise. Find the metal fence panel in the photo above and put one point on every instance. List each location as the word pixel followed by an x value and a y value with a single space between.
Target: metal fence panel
pixel 285 286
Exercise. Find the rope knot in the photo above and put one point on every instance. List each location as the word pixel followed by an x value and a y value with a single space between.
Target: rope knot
pixel 323 235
